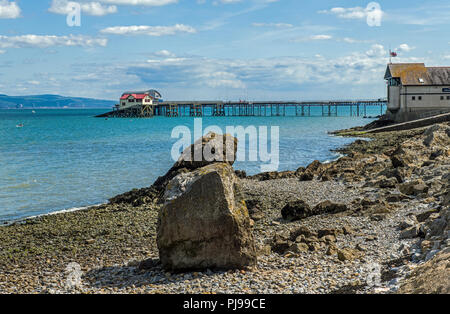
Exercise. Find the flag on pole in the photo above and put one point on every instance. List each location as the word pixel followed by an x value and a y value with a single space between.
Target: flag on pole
pixel 392 54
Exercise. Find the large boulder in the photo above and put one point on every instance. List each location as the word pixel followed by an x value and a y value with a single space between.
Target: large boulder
pixel 210 148
pixel 207 150
pixel 204 222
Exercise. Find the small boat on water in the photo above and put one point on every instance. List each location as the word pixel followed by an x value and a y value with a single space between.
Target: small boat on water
pixel 20 125
pixel 33 112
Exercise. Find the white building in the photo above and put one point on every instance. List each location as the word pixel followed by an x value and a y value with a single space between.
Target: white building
pixel 131 99
pixel 416 91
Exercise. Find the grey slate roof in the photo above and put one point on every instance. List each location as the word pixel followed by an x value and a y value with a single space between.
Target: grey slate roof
pixel 412 74
pixel 439 75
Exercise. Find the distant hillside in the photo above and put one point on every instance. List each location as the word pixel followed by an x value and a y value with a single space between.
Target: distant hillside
pixel 52 101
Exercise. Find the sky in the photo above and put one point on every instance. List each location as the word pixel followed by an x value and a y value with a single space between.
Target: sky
pixel 216 49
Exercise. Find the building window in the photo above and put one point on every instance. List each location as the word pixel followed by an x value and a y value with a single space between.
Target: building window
pixel 448 97
pixel 413 97
pixel 442 97
pixel 420 97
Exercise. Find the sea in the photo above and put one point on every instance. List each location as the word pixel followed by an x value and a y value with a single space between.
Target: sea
pixel 63 159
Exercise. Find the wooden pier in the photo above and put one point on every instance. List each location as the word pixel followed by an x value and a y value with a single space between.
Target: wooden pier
pixel 355 108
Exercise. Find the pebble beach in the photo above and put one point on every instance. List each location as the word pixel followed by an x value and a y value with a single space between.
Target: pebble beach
pixel 363 248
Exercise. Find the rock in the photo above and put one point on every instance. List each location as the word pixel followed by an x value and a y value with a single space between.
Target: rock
pixel 347 229
pixel 386 183
pixel 436 227
pixel 361 247
pixel 436 154
pixel 409 233
pixel 314 246
pixel 397 162
pixel 314 166
pixel 306 176
pixel 299 248
pixel 328 207
pixel 324 232
pixel 148 264
pixel 425 215
pixel 395 198
pixel 241 174
pixel 430 134
pixel 408 222
pixel 302 231
pixel 426 245
pixel 264 250
pixel 280 244
pixel 257 215
pixel 378 217
pixel 274 175
pixel 204 223
pixel 446 199
pixel 215 146
pixel 332 250
pixel 396 173
pixel 254 209
pixel 210 148
pixel 370 238
pixel 325 177
pixel 311 240
pixel 431 277
pixel 328 239
pixel 348 254
pixel 415 188
pixel 400 158
pixel 296 210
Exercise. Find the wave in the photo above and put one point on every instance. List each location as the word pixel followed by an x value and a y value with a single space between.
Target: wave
pixel 63 211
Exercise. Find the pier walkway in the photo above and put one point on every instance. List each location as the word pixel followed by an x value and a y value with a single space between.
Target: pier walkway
pixel 255 108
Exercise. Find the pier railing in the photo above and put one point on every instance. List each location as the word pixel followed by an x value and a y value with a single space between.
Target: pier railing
pixel 253 108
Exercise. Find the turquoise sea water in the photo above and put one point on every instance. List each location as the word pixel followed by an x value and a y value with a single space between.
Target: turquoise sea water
pixel 61 159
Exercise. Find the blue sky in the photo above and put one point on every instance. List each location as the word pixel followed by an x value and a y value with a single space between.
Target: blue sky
pixel 216 49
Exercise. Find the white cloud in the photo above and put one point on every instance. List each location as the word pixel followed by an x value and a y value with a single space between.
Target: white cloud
pixel 321 37
pixel 164 53
pixel 376 50
pixel 276 25
pixel 9 10
pixel 140 2
pixel 275 74
pixel 353 40
pixel 64 7
pixel 347 13
pixel 217 2
pixel 313 38
pixel 356 13
pixel 221 79
pixel 148 30
pixel 405 48
pixel 226 1
pixel 45 41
